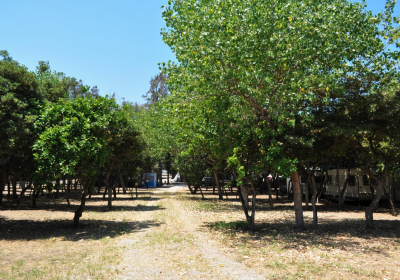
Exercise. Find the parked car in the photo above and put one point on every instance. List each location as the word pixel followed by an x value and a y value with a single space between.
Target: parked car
pixel 207 181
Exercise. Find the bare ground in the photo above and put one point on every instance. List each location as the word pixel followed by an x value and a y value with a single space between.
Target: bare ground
pixel 167 233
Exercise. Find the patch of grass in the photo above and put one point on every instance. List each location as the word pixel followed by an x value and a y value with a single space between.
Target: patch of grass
pixel 207 206
pixel 278 265
pixel 230 225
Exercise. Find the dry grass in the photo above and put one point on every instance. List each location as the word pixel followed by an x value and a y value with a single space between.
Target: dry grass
pixel 40 243
pixel 340 249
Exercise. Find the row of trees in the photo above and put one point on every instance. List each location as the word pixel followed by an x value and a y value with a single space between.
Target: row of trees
pixel 263 87
pixel 53 127
pixel 259 88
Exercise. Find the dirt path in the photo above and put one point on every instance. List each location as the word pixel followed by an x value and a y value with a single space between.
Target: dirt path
pixel 175 246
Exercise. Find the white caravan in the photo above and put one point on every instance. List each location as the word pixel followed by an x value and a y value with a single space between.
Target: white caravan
pixel 359 186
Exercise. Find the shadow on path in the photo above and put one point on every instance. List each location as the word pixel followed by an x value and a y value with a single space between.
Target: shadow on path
pixel 89 229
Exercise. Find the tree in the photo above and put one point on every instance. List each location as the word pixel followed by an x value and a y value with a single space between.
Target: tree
pixel 158 90
pixel 19 105
pixel 74 137
pixel 124 146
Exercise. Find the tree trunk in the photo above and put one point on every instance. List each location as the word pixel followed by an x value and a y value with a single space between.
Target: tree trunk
pixel 218 186
pixel 168 176
pixel 81 208
pixel 64 184
pixel 306 190
pixel 75 186
pixel 109 200
pixel 338 186
pixel 314 204
pixel 394 212
pixel 57 187
pixel 14 187
pixel 244 199
pixel 245 194
pixel 271 205
pixel 108 187
pixel 342 191
pixel 35 190
pixel 8 185
pixel 114 188
pixel 253 208
pixel 2 183
pixel 23 190
pixel 369 211
pixel 323 188
pixel 297 197
pixel 201 191
pixel 68 191
pixel 122 183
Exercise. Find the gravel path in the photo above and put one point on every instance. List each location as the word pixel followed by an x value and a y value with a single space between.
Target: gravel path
pixel 170 244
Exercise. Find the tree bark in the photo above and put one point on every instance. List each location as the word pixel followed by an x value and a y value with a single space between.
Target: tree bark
pixel 297 197
pixel 81 208
pixel 121 178
pixel 2 183
pixel 306 190
pixel 8 185
pixel 338 185
pixel 68 191
pixel 244 199
pixel 314 204
pixel 341 191
pixel 57 187
pixel 108 188
pixel 218 186
pixel 23 192
pixel 109 200
pixel 14 187
pixel 394 212
pixel 114 188
pixel 201 191
pixel 323 188
pixel 369 211
pixel 75 186
pixel 168 176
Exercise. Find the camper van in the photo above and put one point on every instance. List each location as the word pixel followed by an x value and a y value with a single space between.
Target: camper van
pixel 359 187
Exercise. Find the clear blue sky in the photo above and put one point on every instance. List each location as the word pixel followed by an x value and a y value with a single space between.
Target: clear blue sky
pixel 115 45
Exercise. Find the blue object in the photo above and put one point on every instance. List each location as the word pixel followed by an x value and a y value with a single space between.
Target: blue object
pixel 151 179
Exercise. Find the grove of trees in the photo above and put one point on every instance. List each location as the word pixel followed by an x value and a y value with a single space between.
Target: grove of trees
pixel 258 88
pixel 55 128
pixel 278 87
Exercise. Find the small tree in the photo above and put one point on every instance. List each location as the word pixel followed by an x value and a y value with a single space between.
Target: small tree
pixel 74 137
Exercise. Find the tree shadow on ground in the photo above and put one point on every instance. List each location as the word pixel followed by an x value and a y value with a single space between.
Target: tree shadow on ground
pixel 89 207
pixel 348 235
pixel 285 204
pixel 14 230
pixel 148 197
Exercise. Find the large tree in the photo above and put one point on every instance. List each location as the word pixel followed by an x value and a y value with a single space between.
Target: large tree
pixel 74 139
pixel 19 107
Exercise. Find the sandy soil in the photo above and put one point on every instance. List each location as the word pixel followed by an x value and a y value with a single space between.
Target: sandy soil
pixel 178 249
